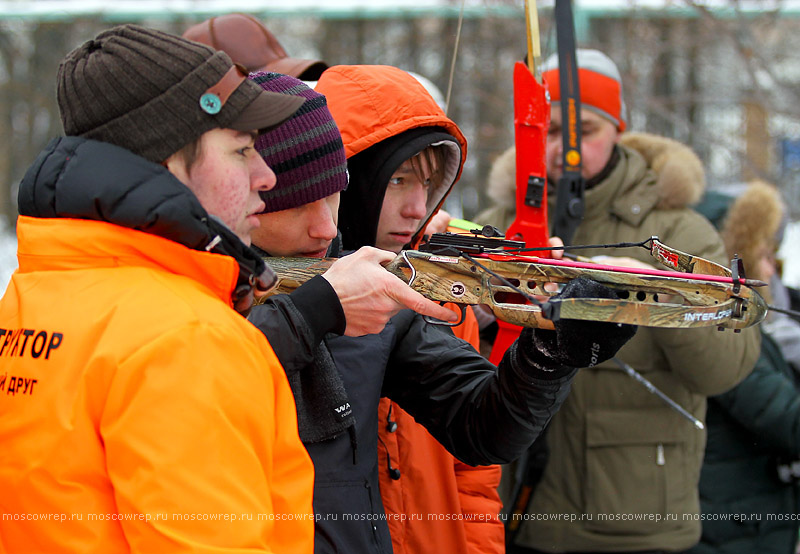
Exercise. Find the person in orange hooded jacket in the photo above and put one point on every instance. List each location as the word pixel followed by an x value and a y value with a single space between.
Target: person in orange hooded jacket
pixel 435 502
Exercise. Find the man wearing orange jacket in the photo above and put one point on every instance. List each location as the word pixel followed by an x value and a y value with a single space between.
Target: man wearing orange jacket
pixel 138 410
pixel 459 509
pixel 434 501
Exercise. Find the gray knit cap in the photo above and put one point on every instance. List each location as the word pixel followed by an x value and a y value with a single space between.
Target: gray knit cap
pixel 153 93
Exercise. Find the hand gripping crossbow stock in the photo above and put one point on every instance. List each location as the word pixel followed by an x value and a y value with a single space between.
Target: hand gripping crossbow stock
pixel 484 268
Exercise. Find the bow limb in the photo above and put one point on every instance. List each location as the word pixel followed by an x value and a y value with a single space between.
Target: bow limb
pixel 532 30
pixel 531 123
pixel 681 261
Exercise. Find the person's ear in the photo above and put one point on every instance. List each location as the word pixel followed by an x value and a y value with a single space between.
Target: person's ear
pixel 176 165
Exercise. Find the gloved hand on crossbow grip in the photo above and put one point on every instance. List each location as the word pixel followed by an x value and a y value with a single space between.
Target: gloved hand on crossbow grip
pixel 575 343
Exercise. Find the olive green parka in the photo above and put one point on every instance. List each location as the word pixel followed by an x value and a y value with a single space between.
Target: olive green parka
pixel 624 467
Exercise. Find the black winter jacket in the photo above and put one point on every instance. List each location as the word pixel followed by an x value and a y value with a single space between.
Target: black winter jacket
pixel 482 414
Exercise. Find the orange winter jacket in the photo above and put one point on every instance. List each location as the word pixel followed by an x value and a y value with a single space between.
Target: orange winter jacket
pixel 138 411
pixel 371 105
pixel 439 504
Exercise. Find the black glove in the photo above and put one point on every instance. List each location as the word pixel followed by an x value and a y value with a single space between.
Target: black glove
pixel 575 343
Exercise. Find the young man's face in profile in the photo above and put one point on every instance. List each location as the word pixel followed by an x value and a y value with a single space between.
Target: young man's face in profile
pixel 305 231
pixel 226 177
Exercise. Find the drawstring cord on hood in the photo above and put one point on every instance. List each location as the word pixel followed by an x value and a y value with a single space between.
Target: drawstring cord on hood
pixel 391 427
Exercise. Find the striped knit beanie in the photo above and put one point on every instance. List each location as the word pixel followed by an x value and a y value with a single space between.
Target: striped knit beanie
pixel 305 152
pixel 600 84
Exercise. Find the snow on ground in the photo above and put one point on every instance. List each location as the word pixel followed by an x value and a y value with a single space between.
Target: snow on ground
pixel 8 256
pixel 790 254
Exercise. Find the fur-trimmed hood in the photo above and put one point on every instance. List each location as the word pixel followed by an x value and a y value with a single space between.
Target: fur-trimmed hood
pixel 753 223
pixel 680 176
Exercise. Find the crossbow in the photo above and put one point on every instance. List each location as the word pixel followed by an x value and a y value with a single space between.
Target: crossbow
pixel 481 267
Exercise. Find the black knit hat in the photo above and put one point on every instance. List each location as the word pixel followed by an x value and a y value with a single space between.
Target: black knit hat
pixel 153 93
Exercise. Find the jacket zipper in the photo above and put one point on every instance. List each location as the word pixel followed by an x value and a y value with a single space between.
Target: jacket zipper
pixel 373 523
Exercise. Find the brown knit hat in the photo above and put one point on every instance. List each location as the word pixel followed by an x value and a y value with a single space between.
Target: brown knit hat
pixel 248 42
pixel 153 93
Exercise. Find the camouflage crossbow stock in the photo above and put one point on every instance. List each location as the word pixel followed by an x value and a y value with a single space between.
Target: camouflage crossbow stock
pixel 479 268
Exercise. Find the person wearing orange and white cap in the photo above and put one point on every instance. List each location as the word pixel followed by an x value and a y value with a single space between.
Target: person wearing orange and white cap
pixel 603 120
pixel 623 467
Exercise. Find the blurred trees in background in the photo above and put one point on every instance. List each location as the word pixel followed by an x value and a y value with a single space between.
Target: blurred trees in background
pixel 724 81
